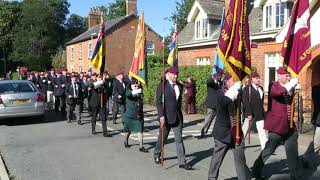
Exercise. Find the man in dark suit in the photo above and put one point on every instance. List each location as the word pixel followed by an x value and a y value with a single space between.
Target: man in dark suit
pixel 97 103
pixel 171 116
pixel 224 137
pixel 73 94
pixel 107 87
pixel 213 85
pixel 253 101
pixel 277 122
pixel 119 90
pixel 59 85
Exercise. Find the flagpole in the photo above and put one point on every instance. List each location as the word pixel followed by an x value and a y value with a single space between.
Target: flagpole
pixel 163 83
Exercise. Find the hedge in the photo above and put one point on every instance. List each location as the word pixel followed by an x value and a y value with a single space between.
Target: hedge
pixel 200 75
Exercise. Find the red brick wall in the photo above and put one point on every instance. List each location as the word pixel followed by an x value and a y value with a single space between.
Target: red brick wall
pixel 119 48
pixel 187 56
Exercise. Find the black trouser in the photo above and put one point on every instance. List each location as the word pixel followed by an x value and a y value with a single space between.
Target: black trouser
pixel 102 117
pixel 220 150
pixel 60 101
pixel 116 107
pixel 291 147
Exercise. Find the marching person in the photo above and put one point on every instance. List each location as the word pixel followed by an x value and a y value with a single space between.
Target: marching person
pixel 119 90
pixel 96 90
pixel 58 91
pixel 84 85
pixel 224 138
pixel 189 96
pixel 171 116
pixel 253 101
pixel 49 82
pixel 213 85
pixel 107 85
pixel 277 122
pixel 133 117
pixel 73 94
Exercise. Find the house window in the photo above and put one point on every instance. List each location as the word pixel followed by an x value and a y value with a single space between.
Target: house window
pixel 80 51
pixel 272 62
pixel 203 61
pixel 150 48
pixel 72 54
pixel 198 29
pixel 90 50
pixel 276 14
pixel 204 28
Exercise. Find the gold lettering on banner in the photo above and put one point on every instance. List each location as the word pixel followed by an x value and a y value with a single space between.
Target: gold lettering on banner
pixel 224 35
pixel 285 44
pixel 305 35
pixel 305 54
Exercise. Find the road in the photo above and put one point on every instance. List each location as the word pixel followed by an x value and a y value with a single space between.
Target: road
pixel 55 150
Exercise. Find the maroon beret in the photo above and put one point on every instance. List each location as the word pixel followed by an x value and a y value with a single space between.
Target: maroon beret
pixel 75 76
pixel 106 72
pixel 94 74
pixel 120 73
pixel 173 70
pixel 282 70
pixel 227 76
pixel 255 75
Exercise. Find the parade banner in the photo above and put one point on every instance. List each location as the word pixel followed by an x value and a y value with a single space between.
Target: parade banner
pixel 98 57
pixel 296 49
pixel 218 66
pixel 234 43
pixel 138 68
pixel 173 56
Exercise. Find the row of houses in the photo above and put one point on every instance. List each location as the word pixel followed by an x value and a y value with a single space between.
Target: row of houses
pixel 268 20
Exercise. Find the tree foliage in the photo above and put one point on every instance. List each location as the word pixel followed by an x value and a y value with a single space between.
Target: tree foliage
pixel 59 59
pixel 180 15
pixel 39 31
pixel 75 26
pixel 116 10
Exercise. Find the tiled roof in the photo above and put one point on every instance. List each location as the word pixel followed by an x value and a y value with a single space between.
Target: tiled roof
pixel 255 20
pixel 212 7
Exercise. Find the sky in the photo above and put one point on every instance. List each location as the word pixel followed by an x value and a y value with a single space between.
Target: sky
pixel 154 11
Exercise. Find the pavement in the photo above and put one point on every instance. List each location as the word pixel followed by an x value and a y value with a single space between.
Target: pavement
pixel 54 149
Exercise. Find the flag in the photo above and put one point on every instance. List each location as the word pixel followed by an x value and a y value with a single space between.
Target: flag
pixel 296 49
pixel 218 65
pixel 99 57
pixel 138 68
pixel 162 43
pixel 173 56
pixel 234 43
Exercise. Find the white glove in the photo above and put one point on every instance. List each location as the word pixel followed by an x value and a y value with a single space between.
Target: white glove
pixel 291 84
pixel 134 92
pixel 236 85
pixel 97 83
pixel 232 93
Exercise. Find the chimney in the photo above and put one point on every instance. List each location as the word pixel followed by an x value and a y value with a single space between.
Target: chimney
pixel 94 17
pixel 131 7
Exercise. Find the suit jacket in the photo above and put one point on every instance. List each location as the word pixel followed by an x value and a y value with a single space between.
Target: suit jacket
pixel 134 106
pixel 277 118
pixel 225 109
pixel 94 97
pixel 316 104
pixel 69 90
pixel 51 79
pixel 190 89
pixel 58 81
pixel 172 107
pixel 212 88
pixel 118 89
pixel 252 103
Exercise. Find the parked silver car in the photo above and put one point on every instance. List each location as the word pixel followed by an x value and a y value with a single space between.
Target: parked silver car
pixel 20 98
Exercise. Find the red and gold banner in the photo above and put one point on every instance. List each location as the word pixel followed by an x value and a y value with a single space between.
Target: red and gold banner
pixel 234 42
pixel 296 49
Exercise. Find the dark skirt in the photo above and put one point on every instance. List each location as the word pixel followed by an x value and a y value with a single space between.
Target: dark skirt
pixel 133 124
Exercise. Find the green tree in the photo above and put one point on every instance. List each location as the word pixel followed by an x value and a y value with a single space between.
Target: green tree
pixel 39 32
pixel 180 15
pixel 116 10
pixel 59 59
pixel 75 26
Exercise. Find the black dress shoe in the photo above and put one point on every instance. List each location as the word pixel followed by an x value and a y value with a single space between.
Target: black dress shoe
pixel 114 122
pixel 94 132
pixel 126 144
pixel 186 167
pixel 143 150
pixel 107 135
pixel 68 121
pixel 157 160
pixel 79 122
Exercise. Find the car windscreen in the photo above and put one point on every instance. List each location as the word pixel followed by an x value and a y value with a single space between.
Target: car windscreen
pixel 16 87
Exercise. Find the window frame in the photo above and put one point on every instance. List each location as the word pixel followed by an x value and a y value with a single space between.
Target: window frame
pixel 150 49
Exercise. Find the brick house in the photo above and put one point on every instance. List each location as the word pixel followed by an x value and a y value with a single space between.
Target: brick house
pixel 120 39
pixel 269 21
